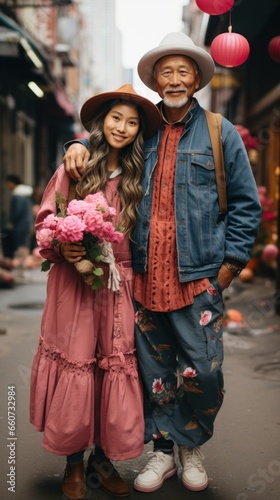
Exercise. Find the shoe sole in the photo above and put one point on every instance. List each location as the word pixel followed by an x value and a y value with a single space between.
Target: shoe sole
pixel 118 495
pixel 195 488
pixel 88 494
pixel 114 494
pixel 144 489
pixel 100 485
pixel 81 498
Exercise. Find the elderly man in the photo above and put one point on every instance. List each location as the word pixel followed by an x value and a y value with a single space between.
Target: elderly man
pixel 184 256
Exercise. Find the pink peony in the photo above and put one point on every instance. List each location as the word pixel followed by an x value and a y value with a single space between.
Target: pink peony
pixel 77 207
pixel 93 222
pixel 112 212
pixel 70 228
pixel 50 221
pixel 117 237
pixel 89 221
pixel 109 233
pixel 45 237
pixel 98 201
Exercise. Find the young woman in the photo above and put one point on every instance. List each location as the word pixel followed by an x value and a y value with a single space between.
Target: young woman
pixel 85 387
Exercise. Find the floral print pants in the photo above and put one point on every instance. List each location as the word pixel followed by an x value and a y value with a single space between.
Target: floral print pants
pixel 180 355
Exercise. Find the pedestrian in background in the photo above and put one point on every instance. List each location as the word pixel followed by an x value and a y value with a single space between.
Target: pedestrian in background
pixel 184 256
pixel 85 387
pixel 20 215
pixel 36 200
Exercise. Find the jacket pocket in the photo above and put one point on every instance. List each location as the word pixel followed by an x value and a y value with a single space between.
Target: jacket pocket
pixel 202 171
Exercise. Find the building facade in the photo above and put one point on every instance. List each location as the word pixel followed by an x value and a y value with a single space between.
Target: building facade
pixel 54 54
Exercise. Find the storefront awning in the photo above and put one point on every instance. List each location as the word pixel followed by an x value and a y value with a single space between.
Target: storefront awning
pixel 12 32
pixel 16 41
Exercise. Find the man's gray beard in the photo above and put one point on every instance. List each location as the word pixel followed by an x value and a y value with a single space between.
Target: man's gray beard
pixel 177 104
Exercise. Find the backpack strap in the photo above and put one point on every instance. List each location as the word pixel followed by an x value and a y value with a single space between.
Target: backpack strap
pixel 214 123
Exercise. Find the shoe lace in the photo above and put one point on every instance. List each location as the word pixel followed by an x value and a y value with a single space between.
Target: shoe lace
pixel 157 457
pixel 193 457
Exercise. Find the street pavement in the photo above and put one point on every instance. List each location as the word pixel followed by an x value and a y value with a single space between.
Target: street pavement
pixel 243 457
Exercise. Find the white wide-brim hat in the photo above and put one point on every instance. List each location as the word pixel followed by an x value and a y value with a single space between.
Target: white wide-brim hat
pixel 180 44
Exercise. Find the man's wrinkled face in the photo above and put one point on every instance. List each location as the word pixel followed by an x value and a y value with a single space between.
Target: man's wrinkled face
pixel 176 80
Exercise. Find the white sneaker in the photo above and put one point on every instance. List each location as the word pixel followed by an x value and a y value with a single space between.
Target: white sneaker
pixel 159 468
pixel 194 475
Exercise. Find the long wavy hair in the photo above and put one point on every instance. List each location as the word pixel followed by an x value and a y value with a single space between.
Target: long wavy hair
pixel 131 162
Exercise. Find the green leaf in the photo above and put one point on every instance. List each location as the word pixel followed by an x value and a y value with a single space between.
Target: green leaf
pixel 45 266
pixel 95 252
pixel 61 203
pixel 98 271
pixel 97 283
pixel 98 258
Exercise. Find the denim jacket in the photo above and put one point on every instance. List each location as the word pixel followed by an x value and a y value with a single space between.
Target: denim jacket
pixel 203 242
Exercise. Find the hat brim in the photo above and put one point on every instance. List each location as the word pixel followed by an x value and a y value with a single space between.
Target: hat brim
pixel 203 60
pixel 151 114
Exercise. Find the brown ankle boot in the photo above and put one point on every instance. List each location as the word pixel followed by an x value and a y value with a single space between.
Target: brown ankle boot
pixel 74 485
pixel 102 473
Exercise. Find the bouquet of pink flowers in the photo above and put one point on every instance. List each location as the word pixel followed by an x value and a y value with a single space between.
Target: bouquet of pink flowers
pixel 89 221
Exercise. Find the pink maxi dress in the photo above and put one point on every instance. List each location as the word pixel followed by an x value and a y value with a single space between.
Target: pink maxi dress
pixel 85 388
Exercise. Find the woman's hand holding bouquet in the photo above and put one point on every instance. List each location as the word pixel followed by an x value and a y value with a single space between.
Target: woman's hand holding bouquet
pixel 89 223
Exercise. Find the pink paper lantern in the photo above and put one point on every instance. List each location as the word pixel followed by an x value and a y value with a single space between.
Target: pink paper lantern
pixel 274 48
pixel 230 49
pixel 215 7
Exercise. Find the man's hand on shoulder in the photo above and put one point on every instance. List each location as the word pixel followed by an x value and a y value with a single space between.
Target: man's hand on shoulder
pixel 75 160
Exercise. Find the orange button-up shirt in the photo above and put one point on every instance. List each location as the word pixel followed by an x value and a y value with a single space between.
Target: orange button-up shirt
pixel 159 289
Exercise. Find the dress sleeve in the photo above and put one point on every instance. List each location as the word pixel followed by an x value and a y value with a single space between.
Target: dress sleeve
pixel 59 182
